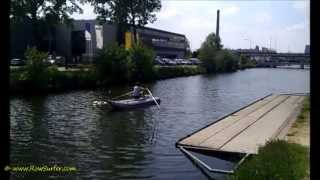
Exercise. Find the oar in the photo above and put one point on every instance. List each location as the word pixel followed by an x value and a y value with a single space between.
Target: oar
pixel 122 95
pixel 153 98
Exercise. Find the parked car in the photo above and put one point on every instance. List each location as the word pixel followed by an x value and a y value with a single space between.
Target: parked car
pixel 186 62
pixel 172 62
pixel 60 60
pixel 17 62
pixel 195 61
pixel 178 61
pixel 57 60
pixel 51 61
pixel 158 61
pixel 166 61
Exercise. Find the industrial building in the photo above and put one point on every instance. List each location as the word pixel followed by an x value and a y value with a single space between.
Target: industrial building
pixel 307 49
pixel 83 38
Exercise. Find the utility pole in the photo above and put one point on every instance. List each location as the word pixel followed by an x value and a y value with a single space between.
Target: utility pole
pixel 270 43
pixel 247 39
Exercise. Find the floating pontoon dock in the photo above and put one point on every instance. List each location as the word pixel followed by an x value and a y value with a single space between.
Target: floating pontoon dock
pixel 245 130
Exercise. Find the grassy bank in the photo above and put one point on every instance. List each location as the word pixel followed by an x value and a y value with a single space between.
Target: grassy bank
pixel 276 160
pixel 53 81
pixel 282 159
pixel 162 72
pixel 81 78
pixel 304 114
pixel 300 130
pixel 247 66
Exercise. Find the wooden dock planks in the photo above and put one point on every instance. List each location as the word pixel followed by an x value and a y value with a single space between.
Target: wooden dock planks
pixel 201 136
pixel 263 130
pixel 247 129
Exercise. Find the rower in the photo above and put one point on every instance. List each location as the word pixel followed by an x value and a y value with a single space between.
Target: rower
pixel 137 91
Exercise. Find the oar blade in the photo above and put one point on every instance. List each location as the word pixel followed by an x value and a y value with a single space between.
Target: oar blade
pixel 153 98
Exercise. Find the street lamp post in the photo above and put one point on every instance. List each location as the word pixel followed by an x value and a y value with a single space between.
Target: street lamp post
pixel 249 41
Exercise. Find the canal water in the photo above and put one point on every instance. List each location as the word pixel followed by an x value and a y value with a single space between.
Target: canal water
pixel 67 130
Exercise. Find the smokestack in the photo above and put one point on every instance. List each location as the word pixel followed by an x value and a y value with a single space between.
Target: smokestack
pixel 217 27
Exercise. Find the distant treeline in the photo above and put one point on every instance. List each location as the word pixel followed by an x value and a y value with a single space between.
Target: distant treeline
pixel 216 59
pixel 113 65
pixel 117 65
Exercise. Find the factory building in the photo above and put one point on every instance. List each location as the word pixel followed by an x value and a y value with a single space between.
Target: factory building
pixel 83 38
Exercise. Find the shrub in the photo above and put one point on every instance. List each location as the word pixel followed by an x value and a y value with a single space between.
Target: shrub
pixel 218 60
pixel 141 63
pixel 162 72
pixel 245 62
pixel 276 160
pixel 230 61
pixel 36 68
pixel 208 52
pixel 207 56
pixel 112 64
pixel 214 58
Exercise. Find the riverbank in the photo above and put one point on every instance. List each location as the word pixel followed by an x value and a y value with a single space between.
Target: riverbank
pixel 54 81
pixel 299 132
pixel 283 159
pixel 164 72
pixel 84 77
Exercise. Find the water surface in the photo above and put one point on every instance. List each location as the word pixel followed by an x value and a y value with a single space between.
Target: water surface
pixel 66 129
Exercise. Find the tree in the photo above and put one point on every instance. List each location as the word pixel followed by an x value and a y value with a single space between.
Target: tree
pixel 207 56
pixel 214 58
pixel 208 52
pixel 44 14
pixel 230 61
pixel 211 41
pixel 218 42
pixel 243 60
pixel 36 68
pixel 141 63
pixel 112 64
pixel 195 53
pixel 126 13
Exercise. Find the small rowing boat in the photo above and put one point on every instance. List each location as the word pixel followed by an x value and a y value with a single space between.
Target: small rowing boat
pixel 134 103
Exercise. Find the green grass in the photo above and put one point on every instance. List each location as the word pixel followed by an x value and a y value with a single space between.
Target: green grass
pixel 175 71
pixel 246 66
pixel 54 80
pixel 278 159
pixel 84 76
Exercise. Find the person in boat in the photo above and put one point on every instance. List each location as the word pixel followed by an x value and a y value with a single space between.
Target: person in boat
pixel 138 91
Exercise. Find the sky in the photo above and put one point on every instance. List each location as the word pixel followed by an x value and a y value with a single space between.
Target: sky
pixel 281 25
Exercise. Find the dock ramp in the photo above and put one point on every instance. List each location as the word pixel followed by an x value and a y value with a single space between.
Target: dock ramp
pixel 245 130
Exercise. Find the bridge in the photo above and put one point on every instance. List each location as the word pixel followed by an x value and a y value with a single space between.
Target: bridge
pixel 274 59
